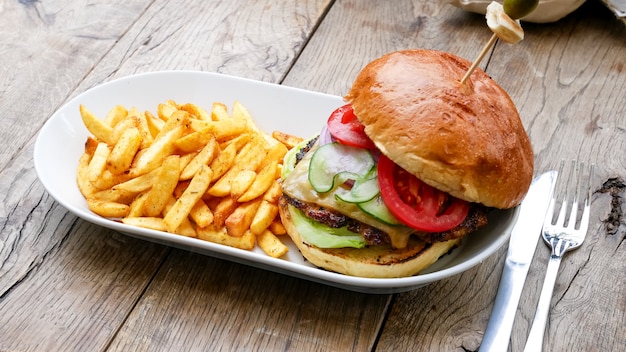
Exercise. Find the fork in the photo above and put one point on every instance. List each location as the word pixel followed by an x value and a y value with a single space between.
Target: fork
pixel 561 236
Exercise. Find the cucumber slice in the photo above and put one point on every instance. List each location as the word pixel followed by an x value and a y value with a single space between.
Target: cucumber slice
pixel 334 163
pixel 363 190
pixel 377 209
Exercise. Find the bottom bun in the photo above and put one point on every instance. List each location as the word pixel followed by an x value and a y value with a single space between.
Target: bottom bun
pixel 380 261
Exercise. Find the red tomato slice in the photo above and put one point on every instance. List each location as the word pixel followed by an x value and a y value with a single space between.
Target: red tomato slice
pixel 415 203
pixel 347 129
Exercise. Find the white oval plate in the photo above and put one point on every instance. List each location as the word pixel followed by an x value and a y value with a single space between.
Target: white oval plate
pixel 61 141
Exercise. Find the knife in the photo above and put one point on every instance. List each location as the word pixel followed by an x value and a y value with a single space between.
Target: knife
pixel 522 244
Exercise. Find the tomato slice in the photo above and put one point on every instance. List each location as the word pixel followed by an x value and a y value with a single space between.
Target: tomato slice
pixel 347 129
pixel 415 203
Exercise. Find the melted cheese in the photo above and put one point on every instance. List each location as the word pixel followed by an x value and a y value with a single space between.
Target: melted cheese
pixel 297 185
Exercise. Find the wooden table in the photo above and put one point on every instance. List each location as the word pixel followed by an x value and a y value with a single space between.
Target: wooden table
pixel 68 285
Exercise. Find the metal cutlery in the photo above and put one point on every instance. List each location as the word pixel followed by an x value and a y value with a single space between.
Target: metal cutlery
pixel 522 244
pixel 562 235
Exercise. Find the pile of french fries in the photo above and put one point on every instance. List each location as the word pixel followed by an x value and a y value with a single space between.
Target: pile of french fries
pixel 209 175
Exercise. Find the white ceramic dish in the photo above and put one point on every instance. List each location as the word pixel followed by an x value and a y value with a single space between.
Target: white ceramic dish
pixel 61 140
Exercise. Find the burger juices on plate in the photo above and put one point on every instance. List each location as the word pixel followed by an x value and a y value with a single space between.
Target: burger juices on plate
pixel 409 166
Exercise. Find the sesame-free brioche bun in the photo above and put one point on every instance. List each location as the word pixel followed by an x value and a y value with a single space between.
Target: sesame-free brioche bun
pixel 464 139
pixel 381 261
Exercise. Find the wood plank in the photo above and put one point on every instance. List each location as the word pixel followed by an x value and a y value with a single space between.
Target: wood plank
pixel 46 50
pixel 76 294
pixel 257 40
pixel 47 286
pixel 201 303
pixel 339 50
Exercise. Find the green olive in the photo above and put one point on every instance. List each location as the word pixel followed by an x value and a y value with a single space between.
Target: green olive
pixel 519 8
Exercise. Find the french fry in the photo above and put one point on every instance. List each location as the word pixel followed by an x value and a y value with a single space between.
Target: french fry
pixel 141 123
pixel 140 183
pixel 239 221
pixel 155 124
pixel 185 228
pixel 264 216
pixel 239 142
pixel 221 129
pixel 177 120
pixel 273 193
pixel 115 115
pixel 154 155
pixel 96 126
pixel 107 209
pixel 276 152
pixel 238 185
pixel 123 153
pixel 163 187
pixel 247 159
pixel 277 228
pixel 186 159
pixel 107 180
pixel 267 175
pixel 86 188
pixel 195 140
pixel 286 139
pixel 223 161
pixel 90 146
pixel 98 161
pixel 219 111
pixel 222 210
pixel 136 207
pixel 201 214
pixel 119 129
pixel 262 182
pixel 271 245
pixel 165 110
pixel 241 113
pixel 198 185
pixel 154 223
pixel 196 111
pixel 204 157
pixel 114 195
pixel 187 171
pixel 219 235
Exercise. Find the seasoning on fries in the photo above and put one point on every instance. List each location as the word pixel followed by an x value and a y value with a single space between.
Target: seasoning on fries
pixel 209 175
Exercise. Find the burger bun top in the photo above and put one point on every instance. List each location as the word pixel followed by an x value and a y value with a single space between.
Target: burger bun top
pixel 464 139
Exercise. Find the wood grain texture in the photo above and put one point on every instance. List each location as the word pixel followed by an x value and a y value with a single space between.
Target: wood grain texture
pixel 253 39
pixel 201 303
pixel 58 287
pixel 569 98
pixel 68 285
pixel 80 291
pixel 379 27
pixel 45 51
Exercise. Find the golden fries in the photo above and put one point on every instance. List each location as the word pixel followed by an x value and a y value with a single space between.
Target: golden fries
pixel 187 171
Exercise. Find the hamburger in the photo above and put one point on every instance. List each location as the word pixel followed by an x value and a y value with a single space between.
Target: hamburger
pixel 412 164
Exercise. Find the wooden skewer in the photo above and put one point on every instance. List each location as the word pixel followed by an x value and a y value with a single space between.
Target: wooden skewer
pixel 480 57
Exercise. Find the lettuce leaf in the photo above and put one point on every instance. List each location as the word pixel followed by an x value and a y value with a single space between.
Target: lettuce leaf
pixel 323 236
